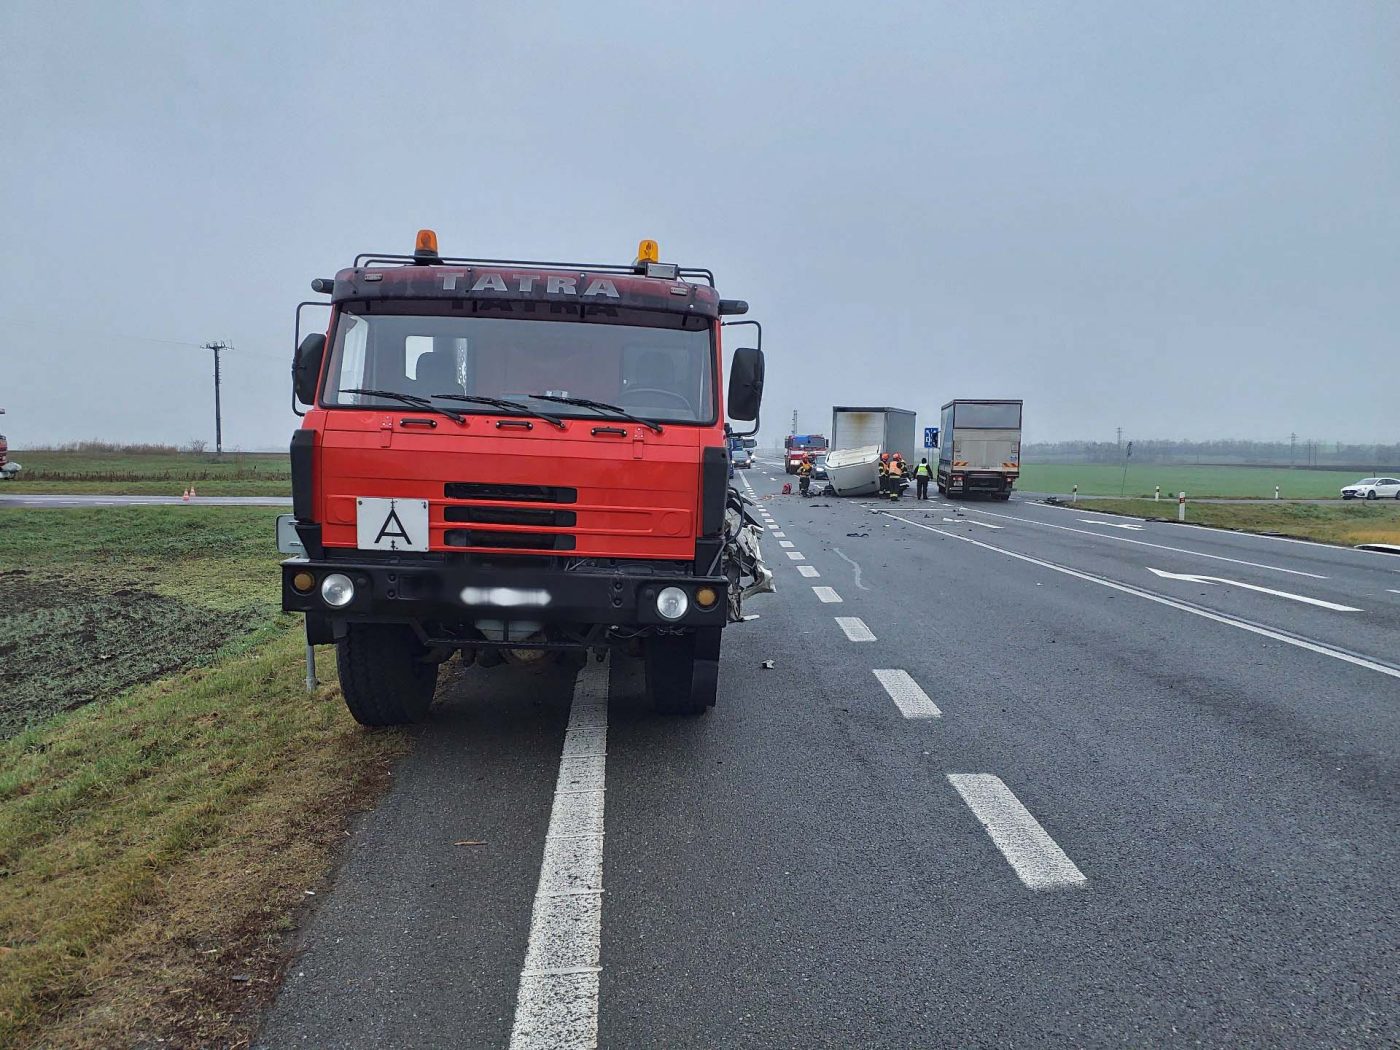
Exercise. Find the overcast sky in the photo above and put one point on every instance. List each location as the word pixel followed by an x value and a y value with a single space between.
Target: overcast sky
pixel 1181 219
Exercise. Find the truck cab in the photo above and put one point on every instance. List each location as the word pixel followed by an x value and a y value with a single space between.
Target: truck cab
pixel 506 460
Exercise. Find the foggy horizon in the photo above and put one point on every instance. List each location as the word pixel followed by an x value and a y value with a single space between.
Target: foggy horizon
pixel 1183 222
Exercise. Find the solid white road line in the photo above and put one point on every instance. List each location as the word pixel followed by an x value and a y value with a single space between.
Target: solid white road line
pixel 1112 524
pixel 827 595
pixel 912 701
pixel 1144 543
pixel 810 571
pixel 785 544
pixel 855 628
pixel 795 555
pixel 1023 842
pixel 1213 580
pixel 1194 610
pixel 557 1005
pixel 1392 591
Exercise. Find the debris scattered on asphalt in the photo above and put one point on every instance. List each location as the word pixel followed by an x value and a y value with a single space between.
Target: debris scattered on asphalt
pixel 859 535
pixel 470 842
pixel 240 977
pixel 767 665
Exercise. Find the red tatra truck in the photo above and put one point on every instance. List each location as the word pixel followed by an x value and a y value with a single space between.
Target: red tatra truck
pixel 507 459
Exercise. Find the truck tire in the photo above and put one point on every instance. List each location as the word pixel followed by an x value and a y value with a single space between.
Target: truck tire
pixel 383 676
pixel 682 671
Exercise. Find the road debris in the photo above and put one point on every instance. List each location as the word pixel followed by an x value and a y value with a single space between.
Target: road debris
pixel 767 665
pixel 470 842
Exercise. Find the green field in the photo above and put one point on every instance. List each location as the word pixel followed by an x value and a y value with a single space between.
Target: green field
pixel 168 790
pixel 1102 479
pixel 1347 524
pixel 156 472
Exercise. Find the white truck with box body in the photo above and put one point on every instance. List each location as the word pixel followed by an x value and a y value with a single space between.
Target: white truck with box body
pixel 890 428
pixel 979 448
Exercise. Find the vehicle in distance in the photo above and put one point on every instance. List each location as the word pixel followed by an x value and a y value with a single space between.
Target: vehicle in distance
pixel 819 467
pixel 742 459
pixel 892 429
pixel 511 460
pixel 979 448
pixel 1373 488
pixel 797 446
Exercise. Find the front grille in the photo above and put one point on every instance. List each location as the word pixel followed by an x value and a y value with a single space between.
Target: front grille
pixel 538 541
pixel 559 519
pixel 516 493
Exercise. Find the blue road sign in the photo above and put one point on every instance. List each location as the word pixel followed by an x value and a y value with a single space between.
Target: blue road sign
pixel 930 437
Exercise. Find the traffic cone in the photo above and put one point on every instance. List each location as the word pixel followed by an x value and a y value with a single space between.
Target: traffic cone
pixel 192 492
pixel 186 496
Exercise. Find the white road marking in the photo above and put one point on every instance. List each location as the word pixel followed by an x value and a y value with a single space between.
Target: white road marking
pixel 1392 591
pixel 1111 524
pixel 1144 543
pixel 827 594
pixel 1213 580
pixel 854 568
pixel 786 544
pixel 973 521
pixel 557 1005
pixel 779 535
pixel 912 701
pixel 810 571
pixel 795 555
pixel 1027 847
pixel 855 628
pixel 1244 625
pixel 772 527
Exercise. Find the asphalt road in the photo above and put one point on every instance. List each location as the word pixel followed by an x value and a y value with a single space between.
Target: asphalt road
pixel 103 500
pixel 1004 785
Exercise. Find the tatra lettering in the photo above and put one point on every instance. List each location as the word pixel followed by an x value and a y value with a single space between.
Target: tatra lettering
pixel 562 286
pixel 601 286
pixel 489 282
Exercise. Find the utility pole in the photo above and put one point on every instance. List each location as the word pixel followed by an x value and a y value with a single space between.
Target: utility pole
pixel 217 346
pixel 794 422
pixel 1120 437
pixel 1292 450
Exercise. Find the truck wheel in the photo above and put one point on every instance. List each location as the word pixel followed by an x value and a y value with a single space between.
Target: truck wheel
pixel 682 671
pixel 383 676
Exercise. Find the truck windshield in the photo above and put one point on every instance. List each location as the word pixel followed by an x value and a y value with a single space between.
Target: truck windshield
pixel 657 373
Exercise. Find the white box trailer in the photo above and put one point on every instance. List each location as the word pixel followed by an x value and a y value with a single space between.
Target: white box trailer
pixel 979 448
pixel 892 429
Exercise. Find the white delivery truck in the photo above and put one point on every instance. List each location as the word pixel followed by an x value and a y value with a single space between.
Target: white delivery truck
pixel 979 448
pixel 892 429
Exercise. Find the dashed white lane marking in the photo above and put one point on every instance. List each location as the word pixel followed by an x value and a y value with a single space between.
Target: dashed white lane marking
pixel 785 544
pixel 810 571
pixel 1213 580
pixel 795 555
pixel 912 701
pixel 1391 590
pixel 557 1005
pixel 1144 543
pixel 1194 610
pixel 855 628
pixel 772 527
pixel 826 595
pixel 780 535
pixel 1027 846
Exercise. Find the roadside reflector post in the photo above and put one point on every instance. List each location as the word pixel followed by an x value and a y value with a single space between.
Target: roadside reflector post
pixel 1181 506
pixel 1156 493
pixel 1275 492
pixel 1074 494
pixel 311 682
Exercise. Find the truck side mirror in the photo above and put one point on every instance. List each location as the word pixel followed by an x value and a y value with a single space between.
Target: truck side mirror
pixel 306 369
pixel 746 383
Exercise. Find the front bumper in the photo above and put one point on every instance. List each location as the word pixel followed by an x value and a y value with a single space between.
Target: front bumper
pixel 462 594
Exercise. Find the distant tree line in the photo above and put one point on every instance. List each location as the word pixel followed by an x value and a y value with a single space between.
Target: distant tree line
pixel 1302 453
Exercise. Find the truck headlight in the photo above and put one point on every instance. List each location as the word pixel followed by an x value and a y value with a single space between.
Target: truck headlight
pixel 337 590
pixel 672 603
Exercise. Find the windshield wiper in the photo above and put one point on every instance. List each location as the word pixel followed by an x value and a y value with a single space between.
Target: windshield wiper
pixel 407 399
pixel 515 407
pixel 599 406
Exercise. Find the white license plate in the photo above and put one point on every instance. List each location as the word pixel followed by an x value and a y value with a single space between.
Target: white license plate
pixel 391 524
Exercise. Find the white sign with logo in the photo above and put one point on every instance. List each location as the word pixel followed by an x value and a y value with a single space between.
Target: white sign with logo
pixel 391 524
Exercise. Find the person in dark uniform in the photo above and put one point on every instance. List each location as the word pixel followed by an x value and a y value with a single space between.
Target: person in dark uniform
pixel 921 476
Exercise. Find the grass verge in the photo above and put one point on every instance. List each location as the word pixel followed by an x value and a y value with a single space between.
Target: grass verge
pixel 156 846
pixel 150 472
pixel 1346 524
pixel 1105 479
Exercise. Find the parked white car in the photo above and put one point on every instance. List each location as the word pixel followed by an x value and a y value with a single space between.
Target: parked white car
pixel 1373 488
